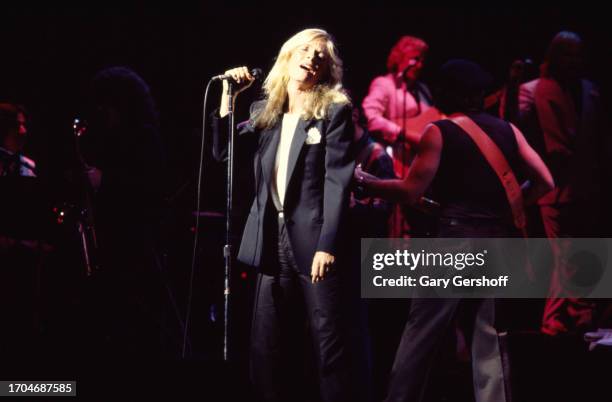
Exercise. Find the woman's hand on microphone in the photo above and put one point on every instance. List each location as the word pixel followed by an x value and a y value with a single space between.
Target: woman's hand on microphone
pixel 242 79
pixel 241 76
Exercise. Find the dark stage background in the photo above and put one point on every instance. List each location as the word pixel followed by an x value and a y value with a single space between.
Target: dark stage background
pixel 49 57
pixel 50 54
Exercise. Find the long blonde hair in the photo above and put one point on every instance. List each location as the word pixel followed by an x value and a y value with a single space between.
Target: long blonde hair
pixel 327 91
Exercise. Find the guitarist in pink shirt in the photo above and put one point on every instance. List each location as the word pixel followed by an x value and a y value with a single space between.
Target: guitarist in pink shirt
pixel 398 107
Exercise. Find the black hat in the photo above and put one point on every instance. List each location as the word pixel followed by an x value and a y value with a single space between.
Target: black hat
pixel 463 77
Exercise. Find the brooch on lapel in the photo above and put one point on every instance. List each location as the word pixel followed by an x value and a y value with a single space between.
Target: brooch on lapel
pixel 314 136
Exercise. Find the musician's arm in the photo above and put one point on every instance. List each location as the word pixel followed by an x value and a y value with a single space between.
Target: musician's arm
pixel 375 105
pixel 540 178
pixel 421 173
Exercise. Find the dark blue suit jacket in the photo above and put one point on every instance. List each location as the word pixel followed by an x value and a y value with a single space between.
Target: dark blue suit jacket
pixel 317 191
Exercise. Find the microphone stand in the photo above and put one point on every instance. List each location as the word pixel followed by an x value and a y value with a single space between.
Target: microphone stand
pixel 85 220
pixel 227 249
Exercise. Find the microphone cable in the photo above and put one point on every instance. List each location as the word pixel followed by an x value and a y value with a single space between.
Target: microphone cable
pixel 196 235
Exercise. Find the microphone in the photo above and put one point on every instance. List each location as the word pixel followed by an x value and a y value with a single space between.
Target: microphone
pixel 411 63
pixel 257 73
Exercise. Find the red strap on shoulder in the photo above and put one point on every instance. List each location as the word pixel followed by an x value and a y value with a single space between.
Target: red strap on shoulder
pixel 498 162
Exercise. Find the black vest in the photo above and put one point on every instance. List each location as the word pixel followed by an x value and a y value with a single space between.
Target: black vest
pixel 465 185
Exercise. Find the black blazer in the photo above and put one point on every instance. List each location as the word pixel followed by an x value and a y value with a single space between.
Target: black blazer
pixel 317 191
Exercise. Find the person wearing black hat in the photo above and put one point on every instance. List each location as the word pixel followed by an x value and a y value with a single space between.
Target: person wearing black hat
pixel 126 165
pixel 474 203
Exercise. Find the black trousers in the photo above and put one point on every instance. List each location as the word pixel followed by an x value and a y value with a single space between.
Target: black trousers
pixel 277 305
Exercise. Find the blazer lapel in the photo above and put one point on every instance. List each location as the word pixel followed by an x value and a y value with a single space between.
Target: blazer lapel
pixel 296 146
pixel 268 151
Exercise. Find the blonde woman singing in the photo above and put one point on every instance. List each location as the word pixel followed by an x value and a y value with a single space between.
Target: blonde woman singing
pixel 300 135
